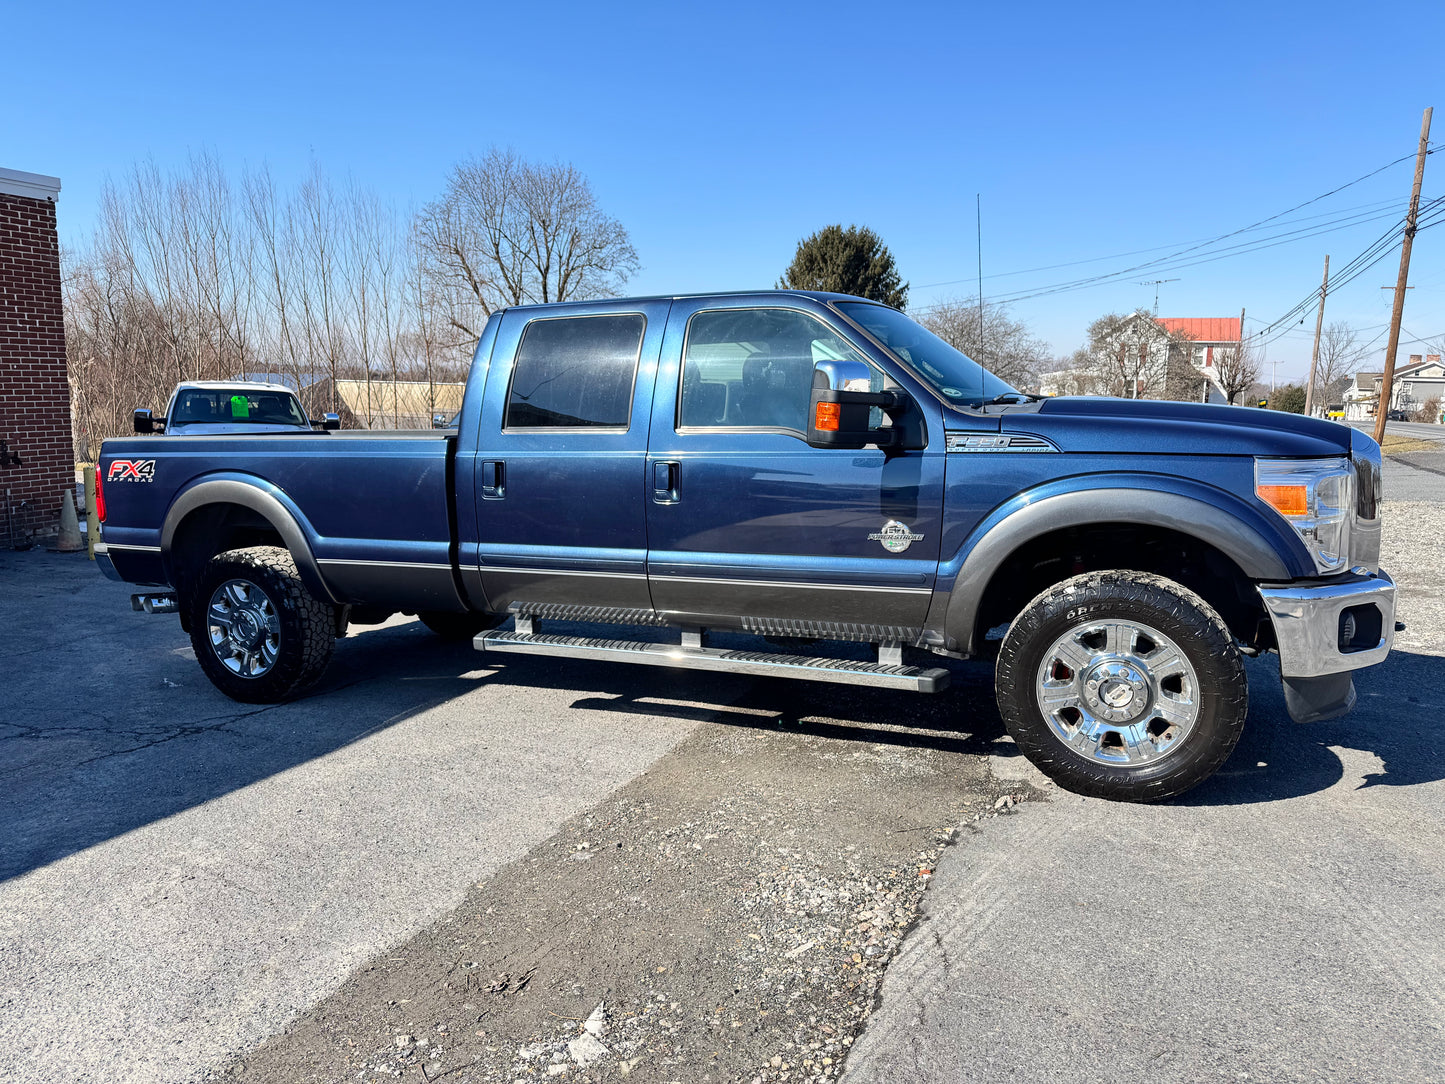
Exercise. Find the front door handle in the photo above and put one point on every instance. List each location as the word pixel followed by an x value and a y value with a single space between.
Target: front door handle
pixel 664 481
pixel 494 480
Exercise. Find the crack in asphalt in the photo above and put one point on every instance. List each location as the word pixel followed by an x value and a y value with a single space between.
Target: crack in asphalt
pixel 221 721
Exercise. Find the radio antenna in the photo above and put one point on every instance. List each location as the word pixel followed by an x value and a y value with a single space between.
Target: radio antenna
pixel 978 220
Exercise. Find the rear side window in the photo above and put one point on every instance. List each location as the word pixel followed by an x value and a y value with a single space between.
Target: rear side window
pixel 575 372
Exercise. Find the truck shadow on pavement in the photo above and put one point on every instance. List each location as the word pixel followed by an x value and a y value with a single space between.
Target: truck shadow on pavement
pixel 124 744
pixel 1396 721
pixel 137 734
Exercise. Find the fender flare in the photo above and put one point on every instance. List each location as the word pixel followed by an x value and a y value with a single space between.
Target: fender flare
pixel 1003 532
pixel 266 501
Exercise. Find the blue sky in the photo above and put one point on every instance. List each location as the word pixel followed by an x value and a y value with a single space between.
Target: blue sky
pixel 720 135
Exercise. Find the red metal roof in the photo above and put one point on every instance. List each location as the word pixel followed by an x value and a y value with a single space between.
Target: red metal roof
pixel 1204 329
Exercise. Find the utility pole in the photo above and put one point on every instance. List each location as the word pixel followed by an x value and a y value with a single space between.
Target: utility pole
pixel 1382 409
pixel 1315 357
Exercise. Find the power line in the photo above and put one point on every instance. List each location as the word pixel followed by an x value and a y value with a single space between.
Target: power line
pixel 1378 205
pixel 1434 213
pixel 1190 248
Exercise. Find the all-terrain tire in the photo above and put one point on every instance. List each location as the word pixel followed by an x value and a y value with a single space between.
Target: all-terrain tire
pixel 459 627
pixel 1070 613
pixel 294 642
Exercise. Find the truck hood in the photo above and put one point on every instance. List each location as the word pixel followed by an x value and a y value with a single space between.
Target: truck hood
pixel 1082 423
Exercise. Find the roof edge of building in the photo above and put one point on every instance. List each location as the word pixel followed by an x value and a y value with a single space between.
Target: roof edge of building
pixel 15 182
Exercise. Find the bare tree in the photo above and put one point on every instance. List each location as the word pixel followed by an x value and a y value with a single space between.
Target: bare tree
pixel 1341 356
pixel 508 232
pixel 1237 370
pixel 1004 346
pixel 187 276
pixel 1129 356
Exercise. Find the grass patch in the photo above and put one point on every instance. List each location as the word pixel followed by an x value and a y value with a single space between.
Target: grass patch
pixel 1396 445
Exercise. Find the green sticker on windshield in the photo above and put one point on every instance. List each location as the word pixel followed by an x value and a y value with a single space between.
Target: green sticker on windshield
pixel 240 406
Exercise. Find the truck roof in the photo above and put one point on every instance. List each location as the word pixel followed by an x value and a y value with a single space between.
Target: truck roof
pixel 233 385
pixel 816 295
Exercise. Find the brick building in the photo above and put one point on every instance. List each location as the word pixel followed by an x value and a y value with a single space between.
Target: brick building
pixel 34 386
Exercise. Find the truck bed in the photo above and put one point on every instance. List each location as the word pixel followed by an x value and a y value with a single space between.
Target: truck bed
pixel 375 507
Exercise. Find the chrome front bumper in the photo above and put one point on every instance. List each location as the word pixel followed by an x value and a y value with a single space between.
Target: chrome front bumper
pixel 1312 623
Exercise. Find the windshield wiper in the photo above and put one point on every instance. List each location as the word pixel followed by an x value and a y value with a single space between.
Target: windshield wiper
pixel 1015 396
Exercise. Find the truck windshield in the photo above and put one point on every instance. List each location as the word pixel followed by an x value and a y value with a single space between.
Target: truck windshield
pixel 952 373
pixel 240 407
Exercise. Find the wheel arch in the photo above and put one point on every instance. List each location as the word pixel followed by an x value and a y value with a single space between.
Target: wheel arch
pixel 1227 537
pixel 218 513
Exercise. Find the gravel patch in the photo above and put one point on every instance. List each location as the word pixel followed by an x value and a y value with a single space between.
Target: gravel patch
pixel 728 916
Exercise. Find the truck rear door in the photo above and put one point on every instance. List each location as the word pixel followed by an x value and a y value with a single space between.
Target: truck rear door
pixel 744 519
pixel 562 455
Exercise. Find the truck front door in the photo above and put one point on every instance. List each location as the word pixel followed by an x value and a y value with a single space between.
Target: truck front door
pixel 562 453
pixel 744 519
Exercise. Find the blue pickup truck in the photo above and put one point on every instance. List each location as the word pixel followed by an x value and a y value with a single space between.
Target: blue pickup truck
pixel 797 484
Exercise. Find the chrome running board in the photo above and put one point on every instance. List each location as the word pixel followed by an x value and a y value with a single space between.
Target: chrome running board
pixel 692 654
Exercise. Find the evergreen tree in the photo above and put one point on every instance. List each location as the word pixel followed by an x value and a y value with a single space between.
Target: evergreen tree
pixel 852 261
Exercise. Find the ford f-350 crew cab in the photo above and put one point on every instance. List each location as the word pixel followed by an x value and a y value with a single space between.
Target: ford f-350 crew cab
pixel 801 467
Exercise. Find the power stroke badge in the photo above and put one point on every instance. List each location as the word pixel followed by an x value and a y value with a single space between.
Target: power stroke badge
pixel 895 536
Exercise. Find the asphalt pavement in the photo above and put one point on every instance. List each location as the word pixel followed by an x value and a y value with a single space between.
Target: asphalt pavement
pixel 181 875
pixel 1283 922
pixel 1413 430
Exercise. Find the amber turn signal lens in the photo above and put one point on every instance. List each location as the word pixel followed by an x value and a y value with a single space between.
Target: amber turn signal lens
pixel 826 416
pixel 1286 500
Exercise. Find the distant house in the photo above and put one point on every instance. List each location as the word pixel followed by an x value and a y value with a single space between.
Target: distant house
pixel 1362 395
pixel 383 404
pixel 1069 382
pixel 1210 336
pixel 1140 356
pixel 1415 384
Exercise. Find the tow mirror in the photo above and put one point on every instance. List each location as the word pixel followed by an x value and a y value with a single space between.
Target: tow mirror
pixel 329 422
pixel 143 422
pixel 842 405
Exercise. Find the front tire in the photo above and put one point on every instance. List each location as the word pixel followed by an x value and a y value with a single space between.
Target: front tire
pixel 1122 685
pixel 257 632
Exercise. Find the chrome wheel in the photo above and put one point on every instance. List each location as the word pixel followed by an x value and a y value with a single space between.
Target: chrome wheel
pixel 1118 692
pixel 243 628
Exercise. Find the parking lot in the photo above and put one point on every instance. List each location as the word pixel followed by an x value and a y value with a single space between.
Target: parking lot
pixel 442 864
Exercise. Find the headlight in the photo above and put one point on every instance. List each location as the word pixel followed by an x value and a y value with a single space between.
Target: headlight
pixel 1316 497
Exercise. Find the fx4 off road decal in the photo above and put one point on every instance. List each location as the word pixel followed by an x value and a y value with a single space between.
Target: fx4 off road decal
pixel 895 536
pixel 131 470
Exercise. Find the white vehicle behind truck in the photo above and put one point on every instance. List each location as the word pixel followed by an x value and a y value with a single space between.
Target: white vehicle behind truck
pixel 205 408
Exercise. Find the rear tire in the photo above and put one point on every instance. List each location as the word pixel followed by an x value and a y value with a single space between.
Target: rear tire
pixel 458 627
pixel 1122 685
pixel 257 632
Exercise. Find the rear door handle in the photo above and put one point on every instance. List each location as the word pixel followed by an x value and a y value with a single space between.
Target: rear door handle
pixel 664 481
pixel 494 479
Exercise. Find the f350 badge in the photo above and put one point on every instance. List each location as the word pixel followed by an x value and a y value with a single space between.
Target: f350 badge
pixel 895 536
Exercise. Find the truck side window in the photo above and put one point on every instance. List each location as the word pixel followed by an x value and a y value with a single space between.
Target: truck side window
pixel 753 368
pixel 575 372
